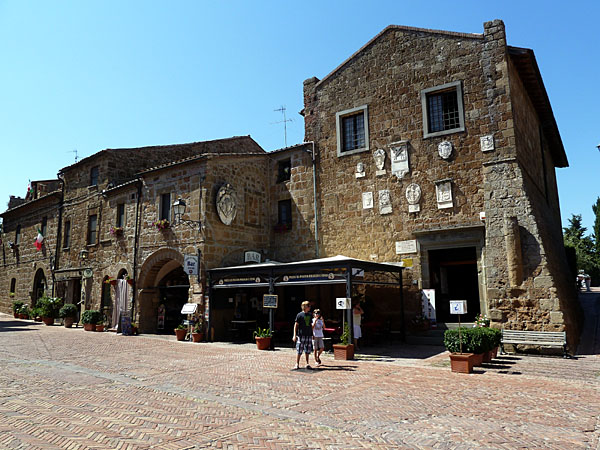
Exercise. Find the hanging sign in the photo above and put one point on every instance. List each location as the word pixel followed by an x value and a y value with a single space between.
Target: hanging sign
pixel 458 306
pixel 189 308
pixel 269 301
pixel 343 303
pixel 190 264
pixel 253 257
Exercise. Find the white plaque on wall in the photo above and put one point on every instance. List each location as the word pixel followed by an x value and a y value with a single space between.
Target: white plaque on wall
pixel 443 193
pixel 404 247
pixel 385 202
pixel 379 157
pixel 399 155
pixel 360 170
pixel 413 195
pixel 487 143
pixel 445 149
pixel 367 200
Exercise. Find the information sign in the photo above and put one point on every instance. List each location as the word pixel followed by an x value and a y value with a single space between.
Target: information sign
pixel 190 264
pixel 343 303
pixel 458 306
pixel 269 301
pixel 189 308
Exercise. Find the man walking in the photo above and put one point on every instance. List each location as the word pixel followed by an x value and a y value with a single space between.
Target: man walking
pixel 303 334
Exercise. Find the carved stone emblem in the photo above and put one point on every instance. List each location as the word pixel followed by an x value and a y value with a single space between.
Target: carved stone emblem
pixel 413 195
pixel 360 170
pixel 399 156
pixel 367 200
pixel 445 149
pixel 487 143
pixel 443 192
pixel 379 156
pixel 385 202
pixel 226 204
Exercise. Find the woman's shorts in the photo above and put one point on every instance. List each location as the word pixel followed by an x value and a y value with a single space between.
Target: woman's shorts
pixel 318 343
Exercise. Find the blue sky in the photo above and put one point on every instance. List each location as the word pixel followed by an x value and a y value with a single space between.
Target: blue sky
pixel 90 75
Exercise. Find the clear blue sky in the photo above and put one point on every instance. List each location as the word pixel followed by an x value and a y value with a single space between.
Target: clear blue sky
pixel 90 75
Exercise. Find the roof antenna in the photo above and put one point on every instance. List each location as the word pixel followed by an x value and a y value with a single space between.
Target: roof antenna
pixel 74 151
pixel 284 121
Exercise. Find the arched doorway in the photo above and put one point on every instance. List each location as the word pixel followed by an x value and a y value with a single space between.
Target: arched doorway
pixel 162 282
pixel 39 286
pixel 106 302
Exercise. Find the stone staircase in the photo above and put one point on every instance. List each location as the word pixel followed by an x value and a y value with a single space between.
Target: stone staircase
pixel 434 336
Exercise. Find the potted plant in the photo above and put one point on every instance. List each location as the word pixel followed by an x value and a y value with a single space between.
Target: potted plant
pixel 16 307
pixel 24 312
pixel 100 322
pixel 197 334
pixel 492 338
pixel 263 338
pixel 36 314
pixel 134 328
pixel 89 319
pixel 162 224
pixel 344 350
pixel 180 332
pixel 476 344
pixel 461 361
pixel 116 231
pixel 68 313
pixel 49 308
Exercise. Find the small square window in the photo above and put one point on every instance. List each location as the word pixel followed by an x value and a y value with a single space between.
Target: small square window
pixel 284 170
pixel 165 207
pixel 94 176
pixel 352 128
pixel 443 111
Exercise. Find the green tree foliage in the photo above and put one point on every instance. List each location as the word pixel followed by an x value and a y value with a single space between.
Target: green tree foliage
pixel 585 246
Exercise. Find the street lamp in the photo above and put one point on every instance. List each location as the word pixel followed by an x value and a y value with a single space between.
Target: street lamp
pixel 83 254
pixel 179 207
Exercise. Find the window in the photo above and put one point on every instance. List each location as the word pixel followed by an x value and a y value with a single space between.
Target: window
pixel 284 170
pixel 92 229
pixel 352 128
pixel 443 111
pixel 44 226
pixel 67 241
pixel 94 176
pixel 13 285
pixel 18 235
pixel 165 207
pixel 285 212
pixel 120 215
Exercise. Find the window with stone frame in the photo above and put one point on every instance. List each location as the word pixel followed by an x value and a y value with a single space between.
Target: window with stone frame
pixel 284 213
pixel 92 229
pixel 165 207
pixel 18 235
pixel 352 128
pixel 94 176
pixel 443 111
pixel 120 223
pixel 67 239
pixel 284 170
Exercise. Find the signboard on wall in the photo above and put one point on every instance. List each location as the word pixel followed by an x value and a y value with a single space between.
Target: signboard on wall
pixel 269 301
pixel 190 264
pixel 253 257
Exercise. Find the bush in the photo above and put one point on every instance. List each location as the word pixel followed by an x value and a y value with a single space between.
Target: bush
pixel 492 338
pixel 91 316
pixel 474 340
pixel 452 343
pixel 49 307
pixel 16 306
pixel 345 337
pixel 68 310
pixel 36 312
pixel 25 310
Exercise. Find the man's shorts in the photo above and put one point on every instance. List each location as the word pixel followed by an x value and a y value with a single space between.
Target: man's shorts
pixel 304 344
pixel 318 342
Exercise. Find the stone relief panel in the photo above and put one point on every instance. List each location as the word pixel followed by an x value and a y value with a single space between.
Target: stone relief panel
pixel 379 157
pixel 367 200
pixel 413 195
pixel 443 192
pixel 360 170
pixel 487 143
pixel 385 202
pixel 445 149
pixel 226 204
pixel 399 156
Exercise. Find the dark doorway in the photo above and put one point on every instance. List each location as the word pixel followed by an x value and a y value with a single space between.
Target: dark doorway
pixel 453 275
pixel 39 286
pixel 174 290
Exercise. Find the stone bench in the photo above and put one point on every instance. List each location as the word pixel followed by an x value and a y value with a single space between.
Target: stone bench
pixel 540 338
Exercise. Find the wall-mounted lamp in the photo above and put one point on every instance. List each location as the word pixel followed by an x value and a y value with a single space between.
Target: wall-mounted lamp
pixel 83 254
pixel 179 207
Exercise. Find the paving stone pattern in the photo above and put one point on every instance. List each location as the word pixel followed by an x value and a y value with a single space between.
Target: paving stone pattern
pixel 69 389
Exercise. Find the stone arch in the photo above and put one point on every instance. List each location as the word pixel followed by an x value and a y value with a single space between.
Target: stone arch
pixel 40 286
pixel 153 264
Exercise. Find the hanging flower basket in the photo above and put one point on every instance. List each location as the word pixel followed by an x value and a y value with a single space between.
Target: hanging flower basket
pixel 162 225
pixel 116 231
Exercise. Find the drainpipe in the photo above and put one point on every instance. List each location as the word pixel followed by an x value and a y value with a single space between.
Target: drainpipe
pixel 135 248
pixel 314 173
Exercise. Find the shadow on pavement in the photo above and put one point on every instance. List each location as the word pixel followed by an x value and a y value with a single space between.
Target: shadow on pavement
pixel 18 325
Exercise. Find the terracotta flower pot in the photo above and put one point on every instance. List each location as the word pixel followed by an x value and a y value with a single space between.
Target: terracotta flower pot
pixel 263 343
pixel 197 337
pixel 16 315
pixel 477 359
pixel 69 322
pixel 343 352
pixel 180 334
pixel 494 352
pixel 89 327
pixel 461 362
pixel 48 320
pixel 99 327
pixel 130 281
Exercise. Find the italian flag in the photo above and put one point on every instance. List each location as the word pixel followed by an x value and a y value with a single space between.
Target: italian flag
pixel 38 240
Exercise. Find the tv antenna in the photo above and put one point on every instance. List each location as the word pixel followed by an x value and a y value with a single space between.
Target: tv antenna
pixel 76 157
pixel 285 120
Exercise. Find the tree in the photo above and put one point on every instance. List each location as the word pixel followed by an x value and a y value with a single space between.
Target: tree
pixel 596 231
pixel 585 246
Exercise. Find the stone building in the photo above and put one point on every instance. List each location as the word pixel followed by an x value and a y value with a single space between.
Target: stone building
pixel 439 148
pixel 433 150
